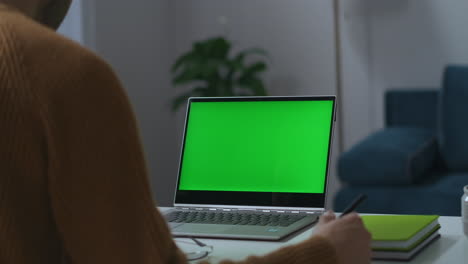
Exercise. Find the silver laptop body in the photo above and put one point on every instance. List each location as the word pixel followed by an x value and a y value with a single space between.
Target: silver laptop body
pixel 204 211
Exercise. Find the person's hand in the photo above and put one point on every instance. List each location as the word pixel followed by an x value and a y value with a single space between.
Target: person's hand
pixel 348 236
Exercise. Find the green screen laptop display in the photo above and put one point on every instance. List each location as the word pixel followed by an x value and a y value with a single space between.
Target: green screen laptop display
pixel 257 146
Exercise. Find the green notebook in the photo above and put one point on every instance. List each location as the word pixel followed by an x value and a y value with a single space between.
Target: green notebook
pixel 400 232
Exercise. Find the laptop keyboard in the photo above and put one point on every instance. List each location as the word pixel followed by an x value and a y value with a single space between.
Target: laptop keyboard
pixel 234 218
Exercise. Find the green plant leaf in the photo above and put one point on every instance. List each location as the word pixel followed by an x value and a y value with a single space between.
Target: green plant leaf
pixel 238 62
pixel 254 85
pixel 219 48
pixel 187 76
pixel 210 69
pixel 209 62
pixel 185 58
pixel 255 68
pixel 259 88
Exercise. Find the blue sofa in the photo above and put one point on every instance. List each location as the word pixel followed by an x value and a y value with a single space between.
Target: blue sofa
pixel 417 164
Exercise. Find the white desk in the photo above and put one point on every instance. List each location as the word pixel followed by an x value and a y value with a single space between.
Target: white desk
pixel 451 248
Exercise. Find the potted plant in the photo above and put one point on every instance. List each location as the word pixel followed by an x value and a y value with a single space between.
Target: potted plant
pixel 210 70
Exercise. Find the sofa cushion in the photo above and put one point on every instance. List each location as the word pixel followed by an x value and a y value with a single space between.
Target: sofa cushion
pixel 393 156
pixel 453 125
pixel 440 197
pixel 412 108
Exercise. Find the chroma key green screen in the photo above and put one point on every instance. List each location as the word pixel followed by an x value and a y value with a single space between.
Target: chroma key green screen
pixel 257 146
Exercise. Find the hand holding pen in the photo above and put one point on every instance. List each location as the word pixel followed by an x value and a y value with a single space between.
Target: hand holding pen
pixel 352 206
pixel 347 234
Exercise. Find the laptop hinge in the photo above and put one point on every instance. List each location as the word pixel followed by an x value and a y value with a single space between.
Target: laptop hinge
pixel 222 209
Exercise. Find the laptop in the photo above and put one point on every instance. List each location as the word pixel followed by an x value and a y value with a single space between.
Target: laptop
pixel 252 167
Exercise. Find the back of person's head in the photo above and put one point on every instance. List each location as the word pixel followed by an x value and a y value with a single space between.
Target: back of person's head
pixel 48 12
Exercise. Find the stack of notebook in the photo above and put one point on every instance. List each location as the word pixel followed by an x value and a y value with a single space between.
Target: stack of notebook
pixel 401 237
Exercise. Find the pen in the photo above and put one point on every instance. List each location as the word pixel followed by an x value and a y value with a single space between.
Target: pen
pixel 354 204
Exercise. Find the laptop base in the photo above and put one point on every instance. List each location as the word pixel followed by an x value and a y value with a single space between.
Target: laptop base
pixel 245 232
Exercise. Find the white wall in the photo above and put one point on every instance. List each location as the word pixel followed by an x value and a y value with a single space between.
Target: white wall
pixel 141 40
pixel 72 26
pixel 411 43
pixel 398 43
pixel 133 37
pixel 355 62
pixel 298 34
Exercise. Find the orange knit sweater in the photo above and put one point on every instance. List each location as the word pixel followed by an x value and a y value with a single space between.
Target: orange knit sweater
pixel 73 182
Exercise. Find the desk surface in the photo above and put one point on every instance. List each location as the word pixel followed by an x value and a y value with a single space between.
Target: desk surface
pixel 452 247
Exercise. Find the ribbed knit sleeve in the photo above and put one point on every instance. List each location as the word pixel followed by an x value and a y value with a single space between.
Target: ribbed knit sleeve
pixel 73 179
pixel 25 215
pixel 99 185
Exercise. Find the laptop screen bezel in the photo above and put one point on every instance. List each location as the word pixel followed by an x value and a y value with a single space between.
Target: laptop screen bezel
pixel 254 199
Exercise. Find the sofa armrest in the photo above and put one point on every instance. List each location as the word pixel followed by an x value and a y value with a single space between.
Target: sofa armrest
pixel 412 108
pixel 393 156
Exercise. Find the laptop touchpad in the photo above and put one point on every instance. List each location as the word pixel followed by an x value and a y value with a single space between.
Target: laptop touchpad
pixel 202 228
pixel 174 225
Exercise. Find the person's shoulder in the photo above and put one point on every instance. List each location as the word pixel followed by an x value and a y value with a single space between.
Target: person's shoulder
pixel 38 44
